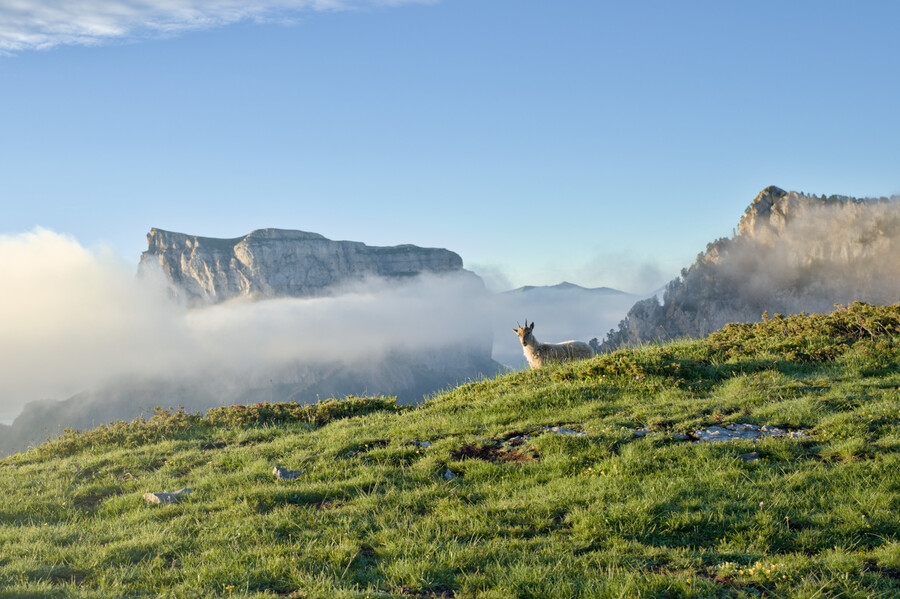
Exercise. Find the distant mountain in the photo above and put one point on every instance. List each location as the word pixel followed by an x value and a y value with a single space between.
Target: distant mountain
pixel 791 253
pixel 406 377
pixel 565 286
pixel 561 312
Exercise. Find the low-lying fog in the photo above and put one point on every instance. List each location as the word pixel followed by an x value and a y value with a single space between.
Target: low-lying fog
pixel 76 318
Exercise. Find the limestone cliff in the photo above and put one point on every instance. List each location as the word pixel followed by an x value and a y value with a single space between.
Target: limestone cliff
pixel 277 262
pixel 792 252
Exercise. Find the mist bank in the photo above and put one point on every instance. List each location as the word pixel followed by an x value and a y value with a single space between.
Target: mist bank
pixel 80 319
pixel 86 341
pixel 791 253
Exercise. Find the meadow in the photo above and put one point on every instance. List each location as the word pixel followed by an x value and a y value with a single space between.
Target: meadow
pixel 471 494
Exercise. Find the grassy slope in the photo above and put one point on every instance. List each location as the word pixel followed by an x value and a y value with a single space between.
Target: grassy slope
pixel 607 514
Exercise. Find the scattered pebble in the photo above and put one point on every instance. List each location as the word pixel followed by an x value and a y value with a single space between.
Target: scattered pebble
pixel 749 457
pixel 422 443
pixel 213 445
pixel 644 432
pixel 166 498
pixel 449 475
pixel 285 474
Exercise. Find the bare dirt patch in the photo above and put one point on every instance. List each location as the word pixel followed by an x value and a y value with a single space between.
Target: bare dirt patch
pixel 494 454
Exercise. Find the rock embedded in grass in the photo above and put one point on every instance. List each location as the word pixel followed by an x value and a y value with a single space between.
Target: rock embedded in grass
pixel 213 445
pixel 567 432
pixel 644 432
pixel 285 474
pixel 166 498
pixel 743 432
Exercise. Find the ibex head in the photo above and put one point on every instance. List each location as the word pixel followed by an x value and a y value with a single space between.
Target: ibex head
pixel 524 333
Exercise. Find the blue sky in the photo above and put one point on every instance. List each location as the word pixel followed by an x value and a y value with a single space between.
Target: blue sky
pixel 604 143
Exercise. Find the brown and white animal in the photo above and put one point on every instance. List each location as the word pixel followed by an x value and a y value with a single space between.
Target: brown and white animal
pixel 538 353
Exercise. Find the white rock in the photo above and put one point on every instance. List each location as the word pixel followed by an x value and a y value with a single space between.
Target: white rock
pixel 746 432
pixel 166 498
pixel 565 431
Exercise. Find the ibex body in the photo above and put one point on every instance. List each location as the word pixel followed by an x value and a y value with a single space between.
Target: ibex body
pixel 538 353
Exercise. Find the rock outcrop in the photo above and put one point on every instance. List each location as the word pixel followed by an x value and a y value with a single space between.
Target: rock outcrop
pixel 791 253
pixel 277 262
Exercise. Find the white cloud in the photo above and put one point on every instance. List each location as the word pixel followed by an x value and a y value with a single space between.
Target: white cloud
pixel 41 24
pixel 74 319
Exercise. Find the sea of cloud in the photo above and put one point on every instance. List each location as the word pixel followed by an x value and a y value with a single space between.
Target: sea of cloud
pixel 77 318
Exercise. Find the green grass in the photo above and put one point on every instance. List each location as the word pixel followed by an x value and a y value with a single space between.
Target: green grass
pixel 608 514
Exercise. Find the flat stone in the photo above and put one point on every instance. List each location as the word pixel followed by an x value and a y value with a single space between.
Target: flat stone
pixel 422 443
pixel 749 457
pixel 449 474
pixel 166 498
pixel 644 432
pixel 558 430
pixel 743 432
pixel 285 474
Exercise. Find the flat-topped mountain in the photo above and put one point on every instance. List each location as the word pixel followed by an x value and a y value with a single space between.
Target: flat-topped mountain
pixel 279 262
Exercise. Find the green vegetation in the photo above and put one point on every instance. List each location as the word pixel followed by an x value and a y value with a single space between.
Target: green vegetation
pixel 607 514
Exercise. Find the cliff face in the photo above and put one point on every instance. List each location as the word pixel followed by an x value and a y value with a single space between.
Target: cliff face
pixel 276 262
pixel 792 252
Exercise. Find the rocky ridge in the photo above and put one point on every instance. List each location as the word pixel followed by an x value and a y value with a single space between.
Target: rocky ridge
pixel 791 253
pixel 279 262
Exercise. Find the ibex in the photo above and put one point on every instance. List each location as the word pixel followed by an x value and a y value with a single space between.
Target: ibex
pixel 538 353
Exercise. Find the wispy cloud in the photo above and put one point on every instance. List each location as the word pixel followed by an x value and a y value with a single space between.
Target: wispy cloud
pixel 41 24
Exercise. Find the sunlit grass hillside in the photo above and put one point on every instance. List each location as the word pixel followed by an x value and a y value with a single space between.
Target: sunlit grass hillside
pixel 472 495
